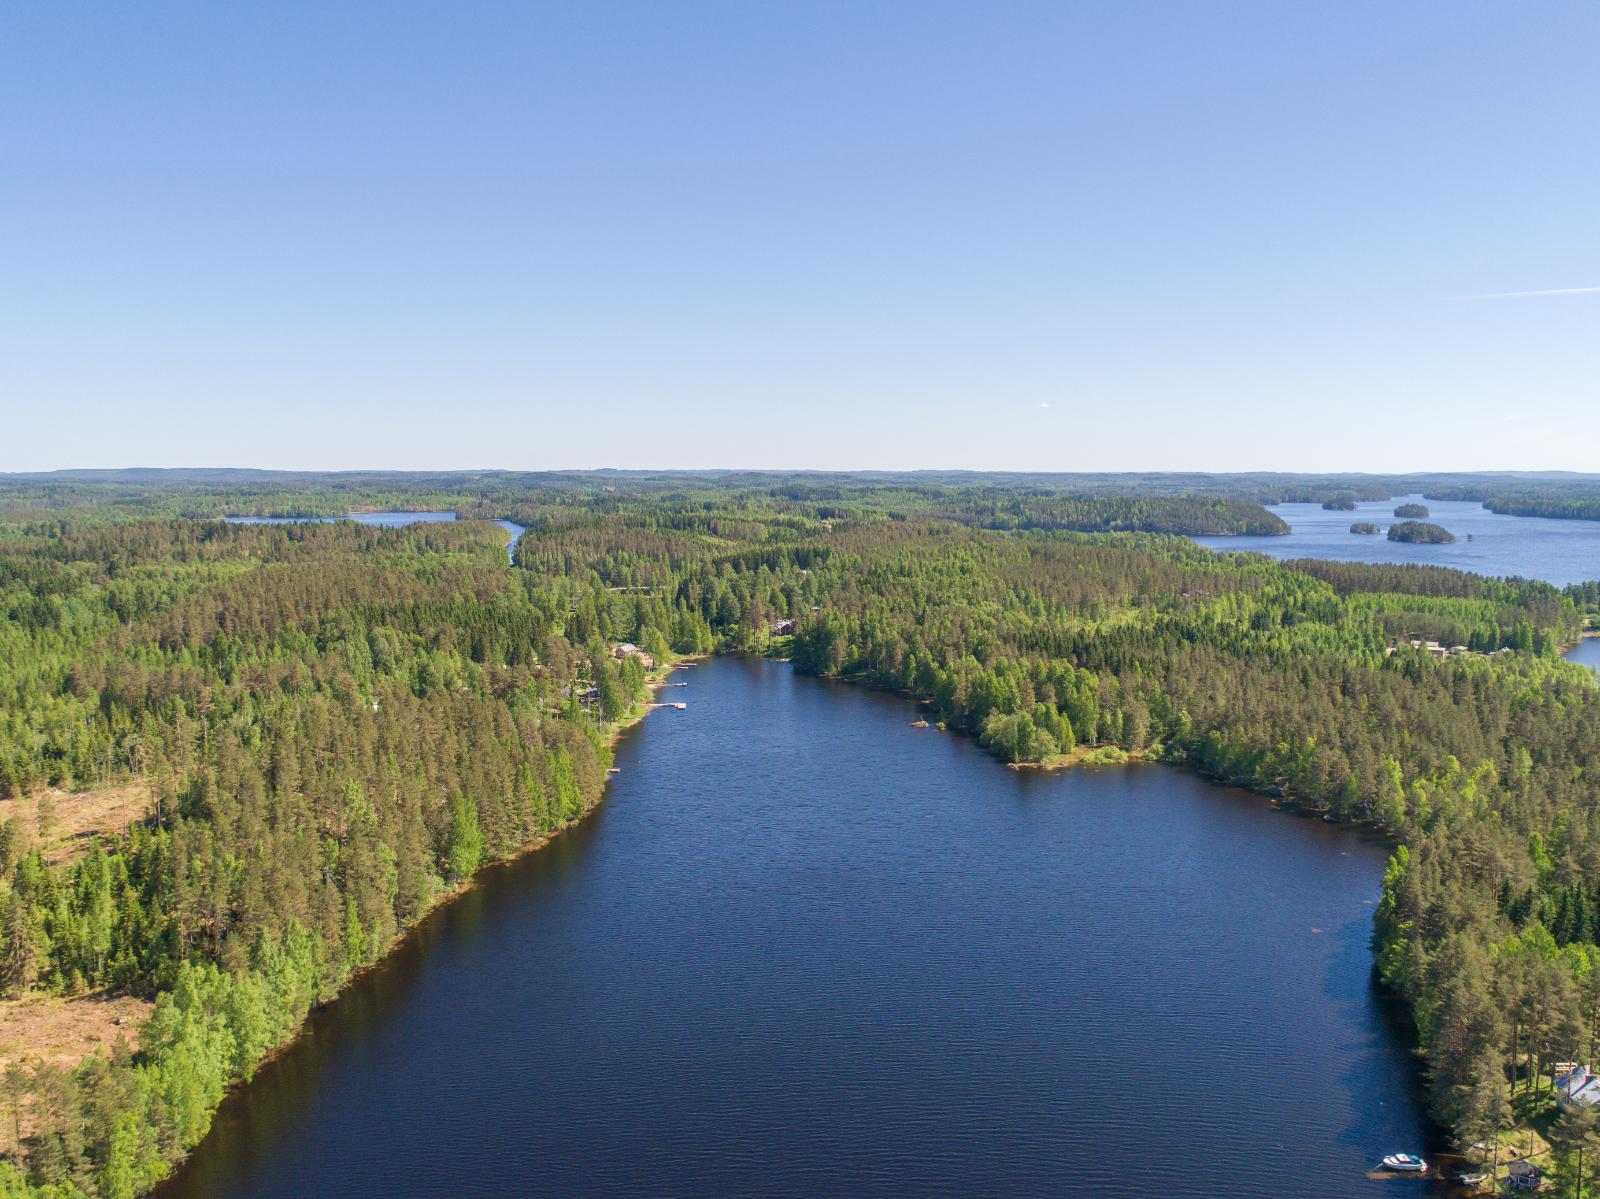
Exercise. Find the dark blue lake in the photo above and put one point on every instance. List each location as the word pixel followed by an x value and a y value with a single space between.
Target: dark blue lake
pixel 1559 551
pixel 804 949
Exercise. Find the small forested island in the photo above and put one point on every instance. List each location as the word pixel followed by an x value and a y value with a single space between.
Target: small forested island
pixel 1421 533
pixel 1412 511
pixel 1366 528
pixel 1339 504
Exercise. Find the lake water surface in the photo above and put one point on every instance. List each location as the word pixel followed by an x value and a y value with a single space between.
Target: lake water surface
pixel 387 520
pixel 1558 551
pixel 804 949
pixel 1586 653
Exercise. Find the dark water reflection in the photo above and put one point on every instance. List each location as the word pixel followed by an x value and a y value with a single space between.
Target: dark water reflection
pixel 805 949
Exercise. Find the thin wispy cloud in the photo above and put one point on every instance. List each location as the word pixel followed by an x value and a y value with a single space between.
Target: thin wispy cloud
pixel 1526 295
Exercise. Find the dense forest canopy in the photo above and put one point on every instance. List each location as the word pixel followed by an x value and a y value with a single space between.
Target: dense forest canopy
pixel 336 724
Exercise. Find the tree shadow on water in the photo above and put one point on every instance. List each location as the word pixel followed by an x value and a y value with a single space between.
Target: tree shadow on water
pixel 1383 1079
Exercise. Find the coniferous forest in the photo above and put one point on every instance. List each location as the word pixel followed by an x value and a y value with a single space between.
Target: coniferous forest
pixel 328 727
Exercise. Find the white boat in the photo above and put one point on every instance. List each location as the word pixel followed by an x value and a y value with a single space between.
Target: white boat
pixel 1410 1163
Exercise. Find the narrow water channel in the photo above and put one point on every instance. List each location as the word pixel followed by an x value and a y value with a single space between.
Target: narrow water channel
pixel 806 949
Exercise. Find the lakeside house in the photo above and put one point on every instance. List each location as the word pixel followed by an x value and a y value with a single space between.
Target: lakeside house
pixel 1577 1089
pixel 588 694
pixel 781 628
pixel 1435 649
pixel 629 650
pixel 1524 1176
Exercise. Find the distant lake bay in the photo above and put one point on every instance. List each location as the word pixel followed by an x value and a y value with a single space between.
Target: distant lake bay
pixel 386 520
pixel 1562 552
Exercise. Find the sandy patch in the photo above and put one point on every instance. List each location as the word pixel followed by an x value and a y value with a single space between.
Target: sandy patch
pixel 75 818
pixel 44 1028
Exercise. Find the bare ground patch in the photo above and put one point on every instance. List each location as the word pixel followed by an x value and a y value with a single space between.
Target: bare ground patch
pixel 39 1030
pixel 72 819
pixel 47 1029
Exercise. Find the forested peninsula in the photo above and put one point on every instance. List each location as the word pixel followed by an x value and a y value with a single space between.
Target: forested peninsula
pixel 315 731
pixel 1555 499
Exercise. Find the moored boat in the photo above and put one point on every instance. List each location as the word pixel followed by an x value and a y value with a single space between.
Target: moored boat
pixel 1408 1163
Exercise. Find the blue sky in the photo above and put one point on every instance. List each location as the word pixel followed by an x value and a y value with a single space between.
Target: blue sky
pixel 1186 235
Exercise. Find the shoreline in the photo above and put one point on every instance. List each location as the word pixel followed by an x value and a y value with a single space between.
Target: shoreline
pixel 1080 757
pixel 1584 635
pixel 655 680
pixel 1439 1138
pixel 1086 757
pixel 449 895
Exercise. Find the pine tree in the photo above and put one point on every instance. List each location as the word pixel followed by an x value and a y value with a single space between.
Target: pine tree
pixel 19 967
pixel 1576 1142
